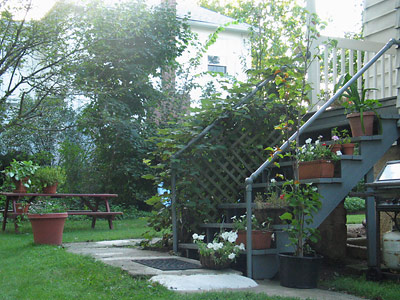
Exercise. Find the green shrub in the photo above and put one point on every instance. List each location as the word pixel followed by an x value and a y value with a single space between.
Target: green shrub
pixel 354 204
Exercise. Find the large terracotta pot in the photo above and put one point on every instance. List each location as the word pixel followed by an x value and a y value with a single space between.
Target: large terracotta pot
pixel 355 123
pixel 48 228
pixel 316 169
pixel 51 189
pixel 260 239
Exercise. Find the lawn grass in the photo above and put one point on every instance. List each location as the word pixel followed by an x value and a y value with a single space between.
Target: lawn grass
pixel 359 286
pixel 29 271
pixel 81 231
pixel 355 219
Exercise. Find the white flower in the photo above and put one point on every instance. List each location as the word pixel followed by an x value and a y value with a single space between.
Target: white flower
pixel 233 218
pixel 242 247
pixel 210 246
pixel 273 180
pixel 195 236
pixel 308 141
pixel 231 256
pixel 316 142
pixel 232 236
pixel 338 152
pixel 201 237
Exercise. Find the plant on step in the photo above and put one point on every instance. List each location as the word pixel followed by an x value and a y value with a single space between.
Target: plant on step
pixel 317 151
pixel 240 223
pixel 356 102
pixel 341 136
pixel 222 250
pixel 303 201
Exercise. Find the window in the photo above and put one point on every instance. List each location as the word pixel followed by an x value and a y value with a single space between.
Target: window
pixel 215 68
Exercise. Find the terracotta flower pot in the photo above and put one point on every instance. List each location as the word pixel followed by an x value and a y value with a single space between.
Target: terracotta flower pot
pixel 48 228
pixel 51 189
pixel 335 148
pixel 316 169
pixel 348 149
pixel 260 239
pixel 19 185
pixel 355 123
pixel 21 208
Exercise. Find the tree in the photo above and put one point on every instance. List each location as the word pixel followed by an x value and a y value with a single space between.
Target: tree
pixel 127 45
pixel 35 57
pixel 276 24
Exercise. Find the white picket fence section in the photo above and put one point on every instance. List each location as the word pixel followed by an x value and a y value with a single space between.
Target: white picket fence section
pixel 349 56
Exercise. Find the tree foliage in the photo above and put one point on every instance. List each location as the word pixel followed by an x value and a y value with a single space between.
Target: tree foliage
pixel 35 56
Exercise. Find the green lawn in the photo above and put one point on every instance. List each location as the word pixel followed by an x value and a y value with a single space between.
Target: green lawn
pixel 355 219
pixel 359 286
pixel 29 271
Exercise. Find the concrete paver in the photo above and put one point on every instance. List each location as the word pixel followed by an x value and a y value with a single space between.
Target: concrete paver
pixel 121 253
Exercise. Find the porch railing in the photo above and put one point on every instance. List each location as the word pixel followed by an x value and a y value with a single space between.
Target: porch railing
pixel 349 56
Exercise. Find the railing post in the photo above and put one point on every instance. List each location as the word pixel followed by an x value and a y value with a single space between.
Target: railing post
pixel 249 213
pixel 173 210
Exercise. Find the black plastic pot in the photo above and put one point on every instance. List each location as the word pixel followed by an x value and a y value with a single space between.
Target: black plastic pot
pixel 299 272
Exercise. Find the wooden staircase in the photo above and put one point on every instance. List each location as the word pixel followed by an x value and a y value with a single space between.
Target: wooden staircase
pixel 348 173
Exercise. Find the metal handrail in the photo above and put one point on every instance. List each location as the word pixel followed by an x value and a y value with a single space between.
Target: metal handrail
pixel 191 143
pixel 249 181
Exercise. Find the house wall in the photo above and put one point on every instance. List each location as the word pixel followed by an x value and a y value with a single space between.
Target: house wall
pixel 231 47
pixel 381 22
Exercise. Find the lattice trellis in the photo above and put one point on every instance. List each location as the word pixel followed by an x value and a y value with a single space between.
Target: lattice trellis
pixel 229 153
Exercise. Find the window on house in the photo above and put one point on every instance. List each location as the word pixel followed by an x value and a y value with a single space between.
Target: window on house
pixel 215 68
pixel 214 64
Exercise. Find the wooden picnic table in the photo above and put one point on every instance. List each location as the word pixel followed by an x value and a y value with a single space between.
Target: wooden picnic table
pixel 92 201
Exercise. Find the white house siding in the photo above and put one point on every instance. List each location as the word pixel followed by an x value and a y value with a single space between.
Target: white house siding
pixel 381 22
pixel 231 47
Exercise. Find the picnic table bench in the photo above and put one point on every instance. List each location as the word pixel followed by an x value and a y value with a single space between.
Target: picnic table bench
pixel 92 201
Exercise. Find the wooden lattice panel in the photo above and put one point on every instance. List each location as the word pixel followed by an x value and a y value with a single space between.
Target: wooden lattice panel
pixel 230 154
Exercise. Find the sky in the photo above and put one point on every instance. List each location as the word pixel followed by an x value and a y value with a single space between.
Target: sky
pixel 344 15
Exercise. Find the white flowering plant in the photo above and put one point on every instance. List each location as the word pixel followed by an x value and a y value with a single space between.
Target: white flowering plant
pixel 222 249
pixel 240 223
pixel 316 151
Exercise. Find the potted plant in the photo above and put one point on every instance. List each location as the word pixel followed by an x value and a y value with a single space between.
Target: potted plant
pixel 300 268
pixel 221 252
pixel 47 219
pixel 342 138
pixel 316 161
pixel 260 235
pixel 271 205
pixel 48 178
pixel 19 173
pixel 360 111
